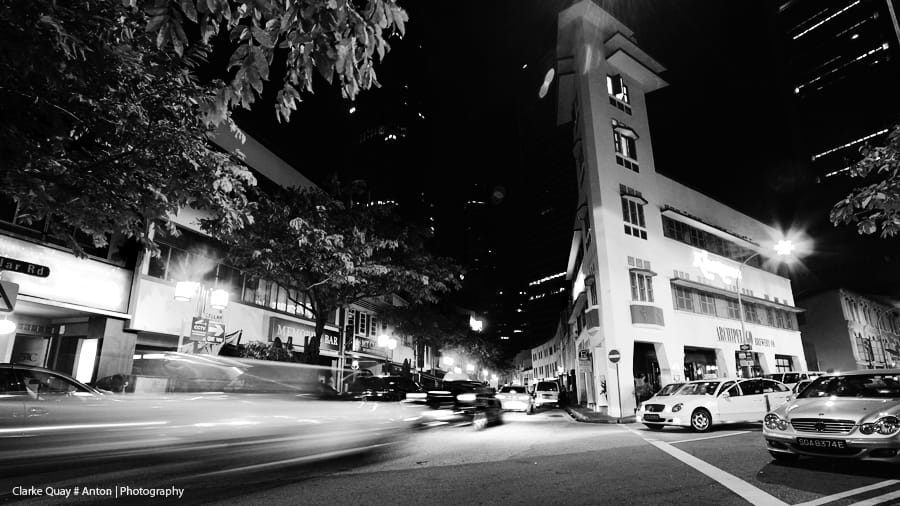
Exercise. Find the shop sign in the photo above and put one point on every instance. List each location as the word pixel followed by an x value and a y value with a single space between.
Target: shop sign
pixel 300 333
pixel 204 329
pixel 730 335
pixel 21 266
pixel 747 363
pixel 710 268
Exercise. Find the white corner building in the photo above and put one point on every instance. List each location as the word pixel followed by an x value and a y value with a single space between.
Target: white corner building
pixel 655 267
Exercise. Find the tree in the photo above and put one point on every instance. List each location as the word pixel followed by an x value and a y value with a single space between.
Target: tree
pixel 337 38
pixel 876 204
pixel 99 131
pixel 337 254
pixel 105 130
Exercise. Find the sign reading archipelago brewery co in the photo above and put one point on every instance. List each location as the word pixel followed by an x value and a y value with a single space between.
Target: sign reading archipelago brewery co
pixel 300 334
pixel 730 335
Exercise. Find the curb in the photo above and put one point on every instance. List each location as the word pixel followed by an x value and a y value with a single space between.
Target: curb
pixel 580 417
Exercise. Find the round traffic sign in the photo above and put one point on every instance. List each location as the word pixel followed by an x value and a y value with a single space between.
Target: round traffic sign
pixel 614 356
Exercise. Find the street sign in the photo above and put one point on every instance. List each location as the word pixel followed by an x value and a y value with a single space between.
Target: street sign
pixel 203 329
pixel 614 356
pixel 8 293
pixel 745 355
pixel 584 354
pixel 746 363
pixel 23 267
pixel 746 347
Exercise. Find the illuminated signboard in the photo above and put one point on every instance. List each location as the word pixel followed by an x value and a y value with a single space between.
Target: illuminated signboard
pixel 710 268
pixel 300 333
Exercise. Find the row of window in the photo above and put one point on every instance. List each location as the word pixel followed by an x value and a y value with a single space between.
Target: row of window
pixel 682 232
pixel 881 318
pixel 688 299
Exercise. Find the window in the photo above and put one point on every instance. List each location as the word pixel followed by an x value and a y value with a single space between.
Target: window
pixel 626 150
pixel 592 295
pixel 617 89
pixel 641 286
pixel 750 313
pixel 633 213
pixel 702 239
pixel 733 311
pixel 707 304
pixel 683 299
pixel 783 363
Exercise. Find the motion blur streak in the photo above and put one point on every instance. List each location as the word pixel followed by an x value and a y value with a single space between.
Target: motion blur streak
pixel 298 460
pixel 79 427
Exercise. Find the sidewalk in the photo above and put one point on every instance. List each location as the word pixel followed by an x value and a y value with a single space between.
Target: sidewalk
pixel 587 415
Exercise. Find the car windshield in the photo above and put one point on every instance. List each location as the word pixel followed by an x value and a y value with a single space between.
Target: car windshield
pixel 669 389
pixel 512 390
pixel 699 388
pixel 877 386
pixel 547 386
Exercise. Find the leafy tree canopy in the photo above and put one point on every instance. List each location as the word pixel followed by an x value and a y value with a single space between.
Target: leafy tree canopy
pixel 337 254
pixel 875 205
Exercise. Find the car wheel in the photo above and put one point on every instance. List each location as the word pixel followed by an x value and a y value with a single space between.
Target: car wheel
pixel 498 419
pixel 701 420
pixel 530 410
pixel 654 426
pixel 784 457
pixel 479 420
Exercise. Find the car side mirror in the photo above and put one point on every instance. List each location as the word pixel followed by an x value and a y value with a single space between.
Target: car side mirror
pixel 726 395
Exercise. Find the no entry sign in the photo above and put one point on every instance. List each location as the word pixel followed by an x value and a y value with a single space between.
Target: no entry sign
pixel 614 356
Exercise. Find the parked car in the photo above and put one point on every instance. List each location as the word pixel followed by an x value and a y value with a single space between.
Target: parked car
pixel 546 392
pixel 799 387
pixel 703 403
pixel 851 415
pixel 792 377
pixel 462 402
pixel 515 398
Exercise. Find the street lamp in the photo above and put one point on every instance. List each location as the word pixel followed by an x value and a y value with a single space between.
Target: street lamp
pixel 782 248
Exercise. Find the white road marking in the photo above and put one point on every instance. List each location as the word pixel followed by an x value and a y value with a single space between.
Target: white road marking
pixel 848 493
pixel 740 487
pixel 877 500
pixel 708 437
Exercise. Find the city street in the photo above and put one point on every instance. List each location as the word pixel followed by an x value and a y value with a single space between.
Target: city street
pixel 547 458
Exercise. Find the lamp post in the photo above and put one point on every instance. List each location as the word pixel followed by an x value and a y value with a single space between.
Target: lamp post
pixel 782 248
pixel 390 343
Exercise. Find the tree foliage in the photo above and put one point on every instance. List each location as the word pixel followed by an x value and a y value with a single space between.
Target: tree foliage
pixel 336 38
pixel 337 254
pixel 99 131
pixel 874 205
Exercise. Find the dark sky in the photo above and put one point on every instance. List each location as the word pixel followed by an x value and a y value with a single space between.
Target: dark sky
pixel 723 126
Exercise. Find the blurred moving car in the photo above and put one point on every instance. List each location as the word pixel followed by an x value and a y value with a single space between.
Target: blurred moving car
pixel 383 388
pixel 851 415
pixel 462 402
pixel 701 404
pixel 515 398
pixel 44 413
pixel 546 392
pixel 792 377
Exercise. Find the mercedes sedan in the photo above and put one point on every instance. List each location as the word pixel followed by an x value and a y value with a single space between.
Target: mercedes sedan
pixel 852 415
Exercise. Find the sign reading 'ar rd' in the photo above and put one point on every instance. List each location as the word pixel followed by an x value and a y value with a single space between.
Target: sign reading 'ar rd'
pixel 20 266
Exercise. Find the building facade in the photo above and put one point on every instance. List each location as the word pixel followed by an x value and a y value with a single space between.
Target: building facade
pixel 654 266
pixel 843 331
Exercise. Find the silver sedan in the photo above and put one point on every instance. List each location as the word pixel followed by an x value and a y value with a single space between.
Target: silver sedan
pixel 852 415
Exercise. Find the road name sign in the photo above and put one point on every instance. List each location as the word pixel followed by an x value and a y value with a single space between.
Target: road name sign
pixel 746 347
pixel 204 329
pixel 23 267
pixel 614 356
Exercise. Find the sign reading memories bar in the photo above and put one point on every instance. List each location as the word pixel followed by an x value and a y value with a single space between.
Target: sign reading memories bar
pixel 730 335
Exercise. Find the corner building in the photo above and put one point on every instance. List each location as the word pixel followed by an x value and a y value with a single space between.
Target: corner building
pixel 654 266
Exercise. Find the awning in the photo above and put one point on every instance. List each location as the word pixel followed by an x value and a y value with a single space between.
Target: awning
pixel 578 307
pixel 728 293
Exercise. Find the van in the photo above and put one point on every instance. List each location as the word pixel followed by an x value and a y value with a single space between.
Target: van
pixel 546 392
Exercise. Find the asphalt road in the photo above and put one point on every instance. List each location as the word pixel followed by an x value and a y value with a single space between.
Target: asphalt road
pixel 547 458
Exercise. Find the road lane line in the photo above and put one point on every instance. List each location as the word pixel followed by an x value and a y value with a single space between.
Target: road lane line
pixel 848 493
pixel 708 437
pixel 877 500
pixel 740 487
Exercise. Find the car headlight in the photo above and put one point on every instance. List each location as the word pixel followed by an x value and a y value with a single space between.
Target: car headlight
pixel 773 422
pixel 466 397
pixel 887 425
pixel 676 408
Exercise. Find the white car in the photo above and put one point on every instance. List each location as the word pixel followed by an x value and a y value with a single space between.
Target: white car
pixel 703 403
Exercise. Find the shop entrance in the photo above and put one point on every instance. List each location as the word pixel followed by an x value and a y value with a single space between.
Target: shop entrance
pixel 700 363
pixel 646 371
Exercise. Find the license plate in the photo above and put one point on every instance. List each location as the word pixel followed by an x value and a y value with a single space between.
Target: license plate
pixel 651 417
pixel 825 444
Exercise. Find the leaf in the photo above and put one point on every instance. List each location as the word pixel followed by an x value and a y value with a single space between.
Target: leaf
pixel 156 22
pixel 187 7
pixel 262 37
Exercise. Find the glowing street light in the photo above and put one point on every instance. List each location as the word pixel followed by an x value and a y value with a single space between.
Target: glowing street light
pixel 470 368
pixel 447 360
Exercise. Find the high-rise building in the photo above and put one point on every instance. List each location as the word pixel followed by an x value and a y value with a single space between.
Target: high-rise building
pixel 843 61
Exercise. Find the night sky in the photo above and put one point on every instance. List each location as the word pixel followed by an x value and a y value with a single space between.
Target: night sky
pixel 473 69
